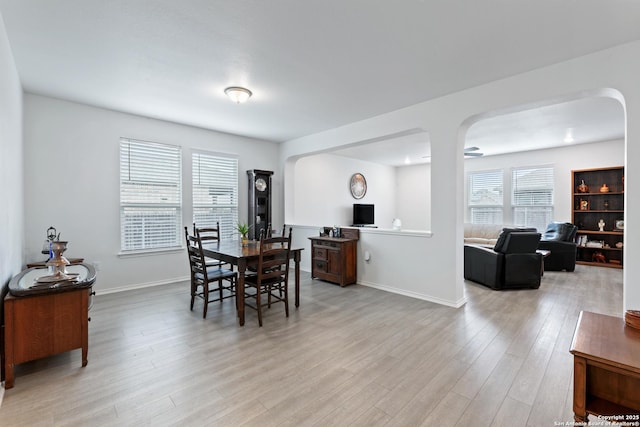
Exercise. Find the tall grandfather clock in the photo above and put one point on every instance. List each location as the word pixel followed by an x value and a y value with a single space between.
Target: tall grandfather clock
pixel 259 213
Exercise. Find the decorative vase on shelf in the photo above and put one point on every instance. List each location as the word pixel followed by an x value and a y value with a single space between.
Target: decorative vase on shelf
pixel 583 188
pixel 604 188
pixel 58 264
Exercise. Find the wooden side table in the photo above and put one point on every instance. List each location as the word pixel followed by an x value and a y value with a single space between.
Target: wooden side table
pixel 42 322
pixel 606 369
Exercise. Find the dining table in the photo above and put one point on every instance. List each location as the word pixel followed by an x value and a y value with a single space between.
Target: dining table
pixel 242 255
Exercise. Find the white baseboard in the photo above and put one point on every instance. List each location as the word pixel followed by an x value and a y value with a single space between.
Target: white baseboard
pixel 455 304
pixel 141 285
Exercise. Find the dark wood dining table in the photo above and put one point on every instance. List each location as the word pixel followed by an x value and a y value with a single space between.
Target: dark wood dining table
pixel 234 253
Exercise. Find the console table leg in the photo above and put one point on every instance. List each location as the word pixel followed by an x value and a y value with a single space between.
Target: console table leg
pixel 580 389
pixel 579 419
pixel 8 345
pixel 8 379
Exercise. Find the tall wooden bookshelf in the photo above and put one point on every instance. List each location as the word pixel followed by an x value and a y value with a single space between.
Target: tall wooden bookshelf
pixel 603 200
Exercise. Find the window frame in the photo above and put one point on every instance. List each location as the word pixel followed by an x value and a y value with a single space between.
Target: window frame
pixel 227 227
pixel 546 208
pixel 497 207
pixel 148 176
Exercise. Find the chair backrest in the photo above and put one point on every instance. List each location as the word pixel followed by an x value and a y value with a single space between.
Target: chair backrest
pixel 266 232
pixel 195 254
pixel 273 261
pixel 521 243
pixel 560 231
pixel 502 238
pixel 270 232
pixel 207 233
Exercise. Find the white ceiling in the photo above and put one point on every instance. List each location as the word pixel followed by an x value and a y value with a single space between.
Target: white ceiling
pixel 312 65
pixel 585 120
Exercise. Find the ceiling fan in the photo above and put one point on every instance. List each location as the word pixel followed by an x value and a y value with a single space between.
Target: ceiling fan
pixel 468 152
pixel 472 152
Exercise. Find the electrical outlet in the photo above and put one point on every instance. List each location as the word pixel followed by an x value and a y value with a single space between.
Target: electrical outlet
pixel 97 265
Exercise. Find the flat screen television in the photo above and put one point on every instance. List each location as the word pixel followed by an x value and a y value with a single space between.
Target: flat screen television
pixel 362 214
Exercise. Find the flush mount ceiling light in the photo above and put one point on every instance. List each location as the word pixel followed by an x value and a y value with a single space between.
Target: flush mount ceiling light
pixel 568 138
pixel 238 94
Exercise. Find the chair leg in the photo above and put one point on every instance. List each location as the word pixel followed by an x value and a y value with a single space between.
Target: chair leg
pixel 205 293
pixel 258 305
pixel 286 298
pixel 220 289
pixel 243 295
pixel 193 294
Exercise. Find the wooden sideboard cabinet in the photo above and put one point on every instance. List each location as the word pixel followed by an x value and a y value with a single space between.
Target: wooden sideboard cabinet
pixel 334 259
pixel 45 322
pixel 43 325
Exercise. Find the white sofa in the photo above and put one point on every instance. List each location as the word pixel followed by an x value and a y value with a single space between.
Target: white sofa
pixel 482 234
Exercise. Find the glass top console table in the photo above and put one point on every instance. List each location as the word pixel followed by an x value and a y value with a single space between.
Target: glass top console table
pixel 46 318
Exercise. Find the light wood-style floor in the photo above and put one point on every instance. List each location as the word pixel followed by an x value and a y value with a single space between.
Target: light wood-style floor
pixel 351 356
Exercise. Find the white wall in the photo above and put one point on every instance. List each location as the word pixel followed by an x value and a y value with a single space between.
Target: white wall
pixel 323 195
pixel 72 183
pixel 11 172
pixel 562 159
pixel 413 196
pixel 11 166
pixel 612 72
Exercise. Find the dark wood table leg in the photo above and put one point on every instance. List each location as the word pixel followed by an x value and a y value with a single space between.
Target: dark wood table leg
pixel 296 259
pixel 242 267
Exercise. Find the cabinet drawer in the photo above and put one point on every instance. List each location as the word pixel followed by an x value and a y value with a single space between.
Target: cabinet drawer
pixel 319 266
pixel 319 253
pixel 328 245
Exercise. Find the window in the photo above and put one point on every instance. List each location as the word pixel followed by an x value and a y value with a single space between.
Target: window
pixel 150 195
pixel 532 197
pixel 215 192
pixel 486 197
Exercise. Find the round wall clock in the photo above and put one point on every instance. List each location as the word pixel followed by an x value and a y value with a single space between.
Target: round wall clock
pixel 261 184
pixel 358 186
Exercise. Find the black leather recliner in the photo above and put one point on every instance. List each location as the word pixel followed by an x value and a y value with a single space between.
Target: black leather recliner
pixel 559 239
pixel 512 264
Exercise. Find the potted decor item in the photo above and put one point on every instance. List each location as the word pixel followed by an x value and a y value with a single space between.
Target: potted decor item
pixel 583 188
pixel 243 229
pixel 604 188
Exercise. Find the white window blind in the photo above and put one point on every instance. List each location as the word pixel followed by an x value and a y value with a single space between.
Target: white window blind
pixel 150 195
pixel 485 197
pixel 532 196
pixel 215 192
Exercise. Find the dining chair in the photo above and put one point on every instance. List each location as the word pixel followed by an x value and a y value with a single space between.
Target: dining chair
pixel 272 275
pixel 208 235
pixel 206 280
pixel 265 232
pixel 271 232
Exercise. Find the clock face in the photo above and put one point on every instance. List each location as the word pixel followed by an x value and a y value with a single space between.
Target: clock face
pixel 261 184
pixel 358 186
